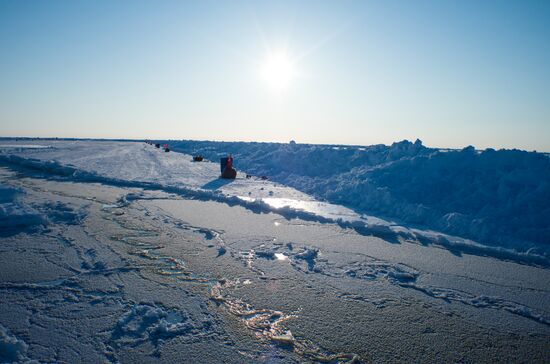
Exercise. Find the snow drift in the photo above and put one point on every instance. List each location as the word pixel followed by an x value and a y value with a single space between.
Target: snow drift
pixel 499 198
pixel 495 198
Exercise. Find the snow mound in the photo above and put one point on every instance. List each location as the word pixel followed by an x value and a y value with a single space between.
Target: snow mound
pixel 498 198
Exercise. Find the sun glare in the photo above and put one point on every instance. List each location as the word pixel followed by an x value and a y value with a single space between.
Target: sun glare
pixel 278 71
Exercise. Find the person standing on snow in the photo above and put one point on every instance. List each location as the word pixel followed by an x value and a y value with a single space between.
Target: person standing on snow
pixel 229 172
pixel 229 164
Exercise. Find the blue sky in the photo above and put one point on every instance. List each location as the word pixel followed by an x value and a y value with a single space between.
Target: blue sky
pixel 452 73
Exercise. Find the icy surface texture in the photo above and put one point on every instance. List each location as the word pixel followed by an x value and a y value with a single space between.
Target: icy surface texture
pixel 498 198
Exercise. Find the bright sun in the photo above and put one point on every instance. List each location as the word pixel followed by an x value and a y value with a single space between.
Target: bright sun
pixel 278 71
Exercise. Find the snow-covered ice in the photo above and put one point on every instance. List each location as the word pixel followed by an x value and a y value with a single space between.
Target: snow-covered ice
pixel 141 165
pixel 497 198
pixel 136 255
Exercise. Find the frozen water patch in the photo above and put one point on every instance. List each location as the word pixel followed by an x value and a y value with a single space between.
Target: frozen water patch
pixel 267 325
pixel 480 301
pixel 396 273
pixel 208 234
pixel 141 324
pixel 167 265
pixel 310 261
pixel 407 277
pixel 464 246
pixel 327 210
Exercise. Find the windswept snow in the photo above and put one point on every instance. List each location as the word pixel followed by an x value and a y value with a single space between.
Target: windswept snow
pixel 146 256
pixel 498 198
pixel 141 165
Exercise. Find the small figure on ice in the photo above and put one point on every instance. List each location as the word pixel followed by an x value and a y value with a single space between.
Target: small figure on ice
pixel 226 165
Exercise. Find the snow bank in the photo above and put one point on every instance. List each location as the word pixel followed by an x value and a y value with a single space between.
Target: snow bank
pixel 495 197
pixel 407 181
pixel 498 198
